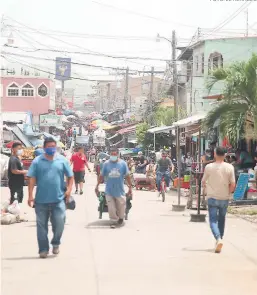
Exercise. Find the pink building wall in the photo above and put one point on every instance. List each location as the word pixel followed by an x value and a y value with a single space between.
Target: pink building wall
pixel 36 104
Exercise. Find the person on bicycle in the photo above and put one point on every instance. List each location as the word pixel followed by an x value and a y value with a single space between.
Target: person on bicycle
pixel 164 169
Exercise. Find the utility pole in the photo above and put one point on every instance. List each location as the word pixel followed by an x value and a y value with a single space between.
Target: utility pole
pixel 175 74
pixel 63 94
pixel 126 90
pixel 151 89
pixel 177 207
pixel 109 96
pixel 247 23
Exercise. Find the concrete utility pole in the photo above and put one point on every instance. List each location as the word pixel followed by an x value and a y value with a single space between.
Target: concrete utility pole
pixel 151 89
pixel 175 74
pixel 247 23
pixel 176 101
pixel 151 94
pixel 126 90
pixel 109 96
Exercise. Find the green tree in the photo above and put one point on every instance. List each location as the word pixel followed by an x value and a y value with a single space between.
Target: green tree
pixel 239 100
pixel 141 131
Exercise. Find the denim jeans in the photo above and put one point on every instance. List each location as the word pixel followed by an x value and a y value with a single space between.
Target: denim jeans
pixel 159 176
pixel 217 214
pixel 56 212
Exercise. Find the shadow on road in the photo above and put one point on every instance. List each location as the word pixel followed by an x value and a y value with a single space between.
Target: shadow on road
pixel 27 258
pixel 99 224
pixel 198 250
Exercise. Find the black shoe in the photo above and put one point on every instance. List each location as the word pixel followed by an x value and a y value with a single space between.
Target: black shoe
pixel 81 192
pixel 120 222
pixel 76 191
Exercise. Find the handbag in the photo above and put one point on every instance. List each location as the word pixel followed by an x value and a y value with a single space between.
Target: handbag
pixel 71 205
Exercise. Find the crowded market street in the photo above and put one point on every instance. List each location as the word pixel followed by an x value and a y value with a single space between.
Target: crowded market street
pixel 157 252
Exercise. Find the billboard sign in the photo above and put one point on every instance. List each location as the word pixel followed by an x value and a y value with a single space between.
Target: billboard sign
pixel 50 120
pixel 63 68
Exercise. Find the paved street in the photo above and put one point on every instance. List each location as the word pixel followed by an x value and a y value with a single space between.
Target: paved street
pixel 157 252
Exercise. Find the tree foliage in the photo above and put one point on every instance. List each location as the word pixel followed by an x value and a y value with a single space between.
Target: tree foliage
pixel 239 99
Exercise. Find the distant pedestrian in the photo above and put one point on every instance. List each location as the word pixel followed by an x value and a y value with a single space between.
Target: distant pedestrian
pixel 74 132
pixel 115 171
pixel 79 161
pixel 16 173
pixel 48 171
pixel 219 181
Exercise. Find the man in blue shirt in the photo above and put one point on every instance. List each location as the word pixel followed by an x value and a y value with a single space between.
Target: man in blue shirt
pixel 114 171
pixel 48 172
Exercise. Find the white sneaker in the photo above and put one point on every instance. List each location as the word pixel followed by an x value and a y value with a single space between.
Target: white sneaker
pixel 219 245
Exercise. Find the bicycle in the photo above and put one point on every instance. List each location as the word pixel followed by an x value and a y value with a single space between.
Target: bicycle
pixel 163 188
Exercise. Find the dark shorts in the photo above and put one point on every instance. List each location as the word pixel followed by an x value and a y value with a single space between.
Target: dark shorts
pixel 79 176
pixel 16 193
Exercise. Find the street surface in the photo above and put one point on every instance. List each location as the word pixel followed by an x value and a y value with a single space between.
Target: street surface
pixel 158 252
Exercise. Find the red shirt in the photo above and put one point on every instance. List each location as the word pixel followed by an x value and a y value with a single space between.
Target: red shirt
pixel 78 161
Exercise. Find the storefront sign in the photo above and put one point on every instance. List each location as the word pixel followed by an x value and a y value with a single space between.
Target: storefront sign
pixel 50 120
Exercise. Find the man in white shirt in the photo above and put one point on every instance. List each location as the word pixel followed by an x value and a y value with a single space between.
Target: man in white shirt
pixel 219 182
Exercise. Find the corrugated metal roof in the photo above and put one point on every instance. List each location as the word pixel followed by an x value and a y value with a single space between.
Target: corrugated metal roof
pixel 190 120
pixel 161 129
pixel 14 117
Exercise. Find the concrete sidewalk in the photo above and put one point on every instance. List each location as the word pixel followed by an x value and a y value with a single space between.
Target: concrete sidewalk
pixel 158 252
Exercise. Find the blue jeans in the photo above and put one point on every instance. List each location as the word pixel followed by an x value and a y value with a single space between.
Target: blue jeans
pixel 217 214
pixel 159 176
pixel 56 212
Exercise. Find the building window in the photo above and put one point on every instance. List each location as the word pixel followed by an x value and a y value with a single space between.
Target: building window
pixel 13 90
pixel 203 63
pixel 221 61
pixel 215 61
pixel 209 66
pixel 27 90
pixel 42 90
pixel 197 63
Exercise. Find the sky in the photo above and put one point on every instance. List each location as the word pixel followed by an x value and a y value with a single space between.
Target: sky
pixel 123 20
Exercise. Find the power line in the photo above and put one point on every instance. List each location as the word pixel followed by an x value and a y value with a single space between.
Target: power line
pixel 231 17
pixel 140 14
pixel 74 63
pixel 90 53
pixel 83 35
pixel 51 73
pixel 67 43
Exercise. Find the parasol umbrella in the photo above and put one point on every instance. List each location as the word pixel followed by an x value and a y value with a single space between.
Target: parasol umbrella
pixel 101 123
pixel 60 144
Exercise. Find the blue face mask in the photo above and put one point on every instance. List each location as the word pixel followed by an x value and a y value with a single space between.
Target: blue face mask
pixel 50 151
pixel 113 158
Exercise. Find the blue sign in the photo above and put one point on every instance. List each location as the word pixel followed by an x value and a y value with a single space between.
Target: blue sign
pixel 241 186
pixel 63 68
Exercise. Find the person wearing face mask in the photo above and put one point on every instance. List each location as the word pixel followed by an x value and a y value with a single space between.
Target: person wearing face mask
pixel 48 171
pixel 114 171
pixel 16 173
pixel 164 168
pixel 79 161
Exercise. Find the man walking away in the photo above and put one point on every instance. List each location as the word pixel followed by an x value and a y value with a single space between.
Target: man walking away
pixel 48 172
pixel 16 173
pixel 219 180
pixel 79 161
pixel 114 171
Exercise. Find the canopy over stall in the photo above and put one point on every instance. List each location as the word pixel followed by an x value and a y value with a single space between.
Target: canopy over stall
pixel 161 129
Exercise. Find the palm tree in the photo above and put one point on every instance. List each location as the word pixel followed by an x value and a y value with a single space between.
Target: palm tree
pixel 239 102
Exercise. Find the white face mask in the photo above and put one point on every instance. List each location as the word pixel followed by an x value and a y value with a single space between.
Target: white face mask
pixel 19 152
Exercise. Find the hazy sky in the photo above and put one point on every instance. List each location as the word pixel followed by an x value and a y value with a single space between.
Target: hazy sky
pixel 90 17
